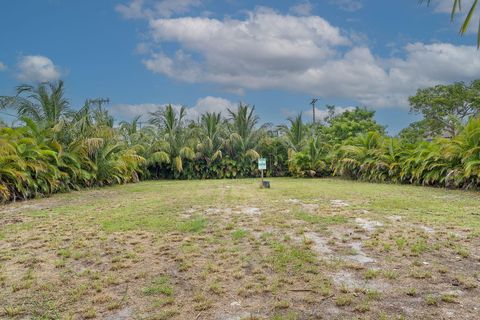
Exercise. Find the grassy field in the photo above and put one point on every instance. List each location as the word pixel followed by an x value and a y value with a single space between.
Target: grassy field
pixel 225 249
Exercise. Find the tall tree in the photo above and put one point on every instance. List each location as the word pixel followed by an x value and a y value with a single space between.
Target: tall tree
pixel 340 127
pixel 173 148
pixel 446 108
pixel 210 137
pixel 244 135
pixel 45 104
pixel 295 134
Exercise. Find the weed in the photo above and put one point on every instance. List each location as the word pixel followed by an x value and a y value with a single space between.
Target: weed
pixel 160 285
pixel 371 274
pixel 239 234
pixel 344 300
pixel 431 300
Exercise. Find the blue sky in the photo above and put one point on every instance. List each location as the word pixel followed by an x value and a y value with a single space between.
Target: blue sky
pixel 209 54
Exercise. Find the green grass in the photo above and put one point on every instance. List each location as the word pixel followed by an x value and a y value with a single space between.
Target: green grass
pixel 322 221
pixel 239 234
pixel 159 285
pixel 182 249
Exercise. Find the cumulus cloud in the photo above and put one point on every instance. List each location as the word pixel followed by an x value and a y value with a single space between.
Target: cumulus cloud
pixel 268 50
pixel 300 53
pixel 37 69
pixel 202 105
pixel 236 52
pixel 3 67
pixel 348 5
pixel 138 9
pixel 210 104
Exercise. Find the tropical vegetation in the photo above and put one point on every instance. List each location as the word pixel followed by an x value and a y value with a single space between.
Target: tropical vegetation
pixel 56 148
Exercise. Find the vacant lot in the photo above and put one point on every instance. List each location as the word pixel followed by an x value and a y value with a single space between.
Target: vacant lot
pixel 305 249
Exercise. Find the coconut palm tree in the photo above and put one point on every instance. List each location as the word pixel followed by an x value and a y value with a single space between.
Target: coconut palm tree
pixel 211 133
pixel 296 134
pixel 244 135
pixel 45 104
pixel 175 146
pixel 242 141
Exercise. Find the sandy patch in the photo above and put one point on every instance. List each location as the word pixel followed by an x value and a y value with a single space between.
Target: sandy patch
pixel 320 244
pixel 252 211
pixel 369 225
pixel 339 203
pixel 360 256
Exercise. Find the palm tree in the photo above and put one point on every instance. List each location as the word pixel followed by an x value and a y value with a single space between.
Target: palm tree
pixel 211 140
pixel 463 152
pixel 311 161
pixel 296 134
pixel 45 104
pixel 244 136
pixel 174 147
pixel 242 141
pixel 361 158
pixel 457 7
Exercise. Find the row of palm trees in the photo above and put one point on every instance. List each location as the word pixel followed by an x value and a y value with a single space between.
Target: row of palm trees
pixel 442 162
pixel 57 149
pixel 374 157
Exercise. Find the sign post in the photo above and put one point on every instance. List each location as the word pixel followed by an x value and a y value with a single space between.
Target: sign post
pixel 262 165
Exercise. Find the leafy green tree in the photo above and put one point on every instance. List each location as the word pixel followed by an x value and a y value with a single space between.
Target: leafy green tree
pixel 348 124
pixel 415 132
pixel 446 108
pixel 275 151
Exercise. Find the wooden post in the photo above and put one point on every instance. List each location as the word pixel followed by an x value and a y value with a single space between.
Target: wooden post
pixel 262 177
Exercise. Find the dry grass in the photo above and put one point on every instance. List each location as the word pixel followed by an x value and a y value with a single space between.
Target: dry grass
pixel 305 249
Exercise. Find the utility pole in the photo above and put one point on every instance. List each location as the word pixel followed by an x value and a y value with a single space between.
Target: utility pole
pixel 314 101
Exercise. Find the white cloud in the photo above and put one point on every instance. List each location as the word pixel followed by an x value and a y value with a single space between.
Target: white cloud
pixel 235 52
pixel 138 9
pixel 202 105
pixel 37 69
pixel 302 9
pixel 3 67
pixel 210 104
pixel 269 50
pixel 321 114
pixel 348 5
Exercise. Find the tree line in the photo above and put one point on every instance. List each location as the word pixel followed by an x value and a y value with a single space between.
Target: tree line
pixel 58 149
